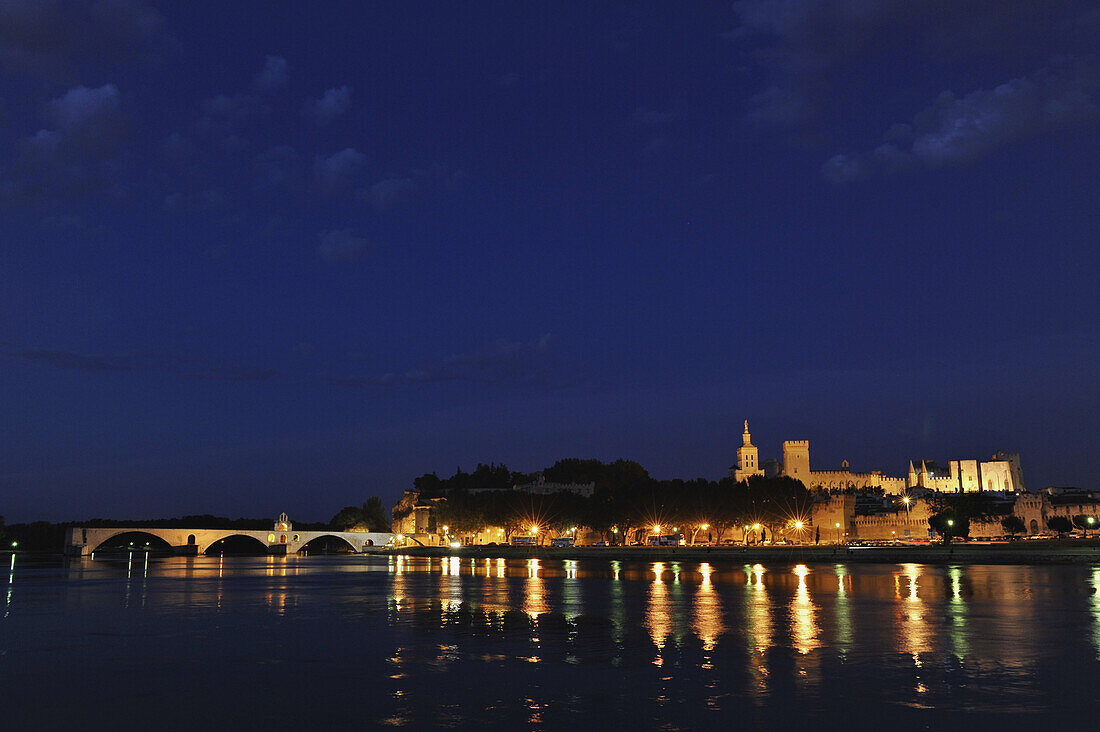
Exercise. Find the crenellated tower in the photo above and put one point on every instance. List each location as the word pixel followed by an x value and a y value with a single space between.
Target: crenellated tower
pixel 796 460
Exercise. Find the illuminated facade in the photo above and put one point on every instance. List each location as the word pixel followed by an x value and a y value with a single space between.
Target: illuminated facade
pixel 1001 472
pixel 748 458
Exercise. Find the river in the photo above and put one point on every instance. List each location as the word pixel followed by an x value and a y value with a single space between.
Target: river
pixel 352 641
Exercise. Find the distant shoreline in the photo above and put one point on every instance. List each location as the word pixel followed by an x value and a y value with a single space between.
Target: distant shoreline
pixel 1079 553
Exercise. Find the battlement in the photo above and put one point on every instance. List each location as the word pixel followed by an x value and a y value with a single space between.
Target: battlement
pixel 796 443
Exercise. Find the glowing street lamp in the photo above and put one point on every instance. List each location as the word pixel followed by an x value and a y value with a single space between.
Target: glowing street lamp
pixel 1089 521
pixel 838 532
pixel 656 528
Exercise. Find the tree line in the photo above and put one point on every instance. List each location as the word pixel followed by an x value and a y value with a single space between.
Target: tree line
pixel 626 504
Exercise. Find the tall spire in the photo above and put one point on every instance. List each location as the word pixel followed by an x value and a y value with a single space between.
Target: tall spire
pixel 745 438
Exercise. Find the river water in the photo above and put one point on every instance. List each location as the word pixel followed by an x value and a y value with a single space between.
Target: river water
pixel 340 642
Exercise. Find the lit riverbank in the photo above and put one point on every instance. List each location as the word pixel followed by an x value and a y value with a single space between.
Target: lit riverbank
pixel 1048 552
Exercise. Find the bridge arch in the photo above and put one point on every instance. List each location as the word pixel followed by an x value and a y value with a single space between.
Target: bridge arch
pixel 327 539
pixel 235 543
pixel 124 539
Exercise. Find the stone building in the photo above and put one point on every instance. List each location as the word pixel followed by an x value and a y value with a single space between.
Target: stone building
pixel 1001 472
pixel 748 458
pixel 895 519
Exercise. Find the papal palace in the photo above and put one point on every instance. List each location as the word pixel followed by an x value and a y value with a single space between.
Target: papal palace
pixel 846 505
pixel 999 473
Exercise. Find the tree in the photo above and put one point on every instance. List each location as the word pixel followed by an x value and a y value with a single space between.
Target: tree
pixel 347 518
pixel 1013 524
pixel 428 483
pixel 949 525
pixel 1084 522
pixel 1060 524
pixel 374 515
pixel 371 516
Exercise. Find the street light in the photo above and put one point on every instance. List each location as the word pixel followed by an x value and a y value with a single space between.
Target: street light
pixel 838 533
pixel 1089 521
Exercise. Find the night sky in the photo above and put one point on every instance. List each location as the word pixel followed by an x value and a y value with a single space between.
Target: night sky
pixel 266 256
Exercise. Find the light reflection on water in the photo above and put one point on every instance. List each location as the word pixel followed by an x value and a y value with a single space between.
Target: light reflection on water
pixel 552 643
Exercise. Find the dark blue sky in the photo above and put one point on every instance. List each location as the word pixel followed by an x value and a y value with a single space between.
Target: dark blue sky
pixel 281 256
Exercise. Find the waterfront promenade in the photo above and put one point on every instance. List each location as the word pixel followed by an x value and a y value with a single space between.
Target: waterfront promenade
pixel 1047 552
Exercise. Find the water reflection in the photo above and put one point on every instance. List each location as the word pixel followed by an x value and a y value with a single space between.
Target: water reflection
pixel 1096 610
pixel 11 586
pixel 758 625
pixel 564 640
pixel 707 610
pixel 534 601
pixel 658 609
pixel 957 614
pixel 912 626
pixel 843 611
pixel 803 622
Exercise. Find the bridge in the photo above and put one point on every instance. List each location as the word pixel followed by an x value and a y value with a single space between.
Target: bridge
pixel 280 539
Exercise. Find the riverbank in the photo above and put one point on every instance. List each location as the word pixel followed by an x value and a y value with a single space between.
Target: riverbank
pixel 1010 553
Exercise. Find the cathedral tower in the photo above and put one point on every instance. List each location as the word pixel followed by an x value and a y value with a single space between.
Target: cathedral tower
pixel 748 457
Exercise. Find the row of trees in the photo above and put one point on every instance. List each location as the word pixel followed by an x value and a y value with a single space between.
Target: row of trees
pixel 627 502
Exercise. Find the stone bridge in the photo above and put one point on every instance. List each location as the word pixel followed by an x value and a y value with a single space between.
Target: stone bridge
pixel 281 539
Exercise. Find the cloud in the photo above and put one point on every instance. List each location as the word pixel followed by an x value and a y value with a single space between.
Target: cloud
pixel 87 122
pixel 162 362
pixel 958 130
pixel 504 363
pixel 45 37
pixel 806 48
pixel 391 193
pixel 76 153
pixel 273 74
pixel 332 104
pixel 338 172
pixel 342 245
